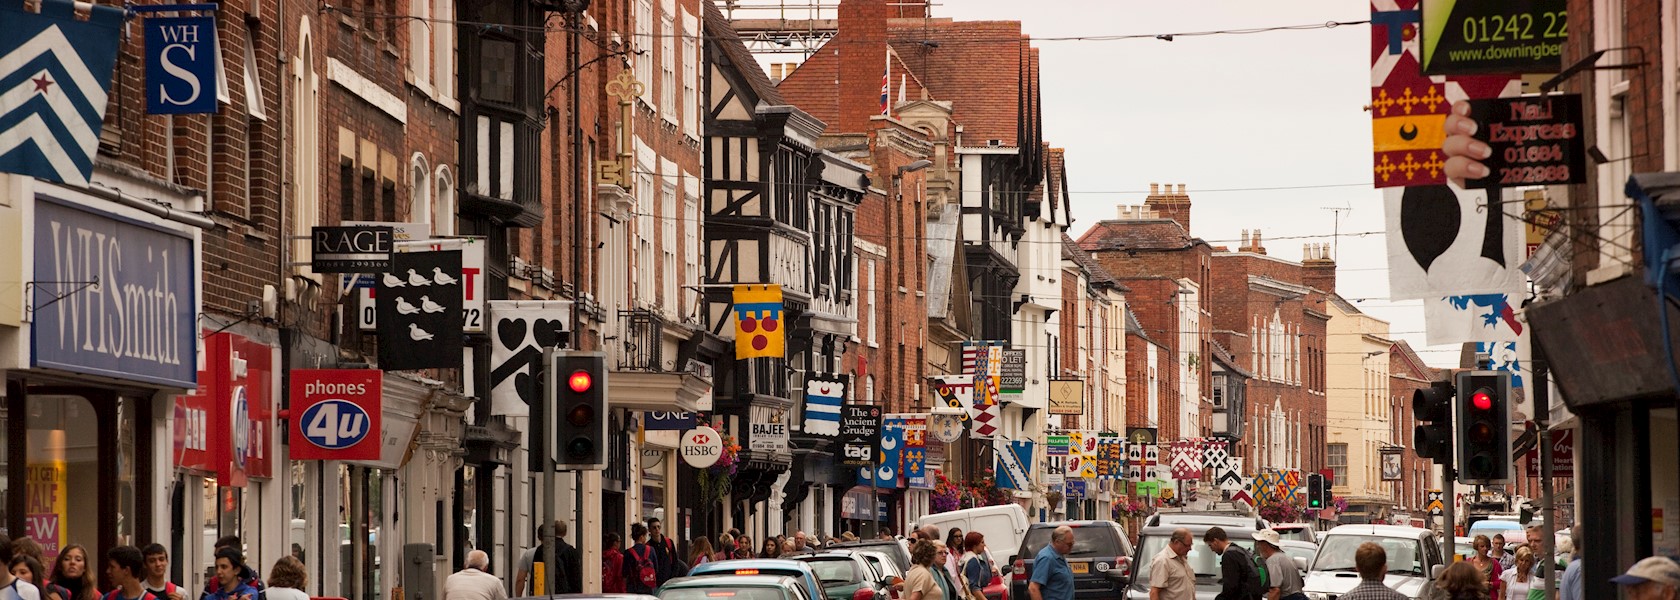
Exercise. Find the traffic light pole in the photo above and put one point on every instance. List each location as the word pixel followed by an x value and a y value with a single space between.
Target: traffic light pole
pixel 1542 417
pixel 1449 526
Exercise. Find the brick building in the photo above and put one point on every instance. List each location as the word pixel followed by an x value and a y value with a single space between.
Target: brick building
pixel 1407 373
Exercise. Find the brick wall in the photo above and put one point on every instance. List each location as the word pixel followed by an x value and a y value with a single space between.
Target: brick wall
pixel 897 220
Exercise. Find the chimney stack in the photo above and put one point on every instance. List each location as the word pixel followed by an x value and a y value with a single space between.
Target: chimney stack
pixel 1169 205
pixel 1318 270
pixel 1255 245
pixel 861 44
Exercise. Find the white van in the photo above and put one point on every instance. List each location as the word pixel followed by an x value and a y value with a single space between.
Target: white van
pixel 1004 527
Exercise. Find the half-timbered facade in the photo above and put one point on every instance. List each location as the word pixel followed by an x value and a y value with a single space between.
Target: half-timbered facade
pixel 778 210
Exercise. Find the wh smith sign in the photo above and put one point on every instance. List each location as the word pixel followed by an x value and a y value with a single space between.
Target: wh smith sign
pixel 125 306
pixel 181 65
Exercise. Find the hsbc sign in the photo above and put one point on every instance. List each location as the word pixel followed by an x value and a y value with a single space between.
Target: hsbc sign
pixel 701 447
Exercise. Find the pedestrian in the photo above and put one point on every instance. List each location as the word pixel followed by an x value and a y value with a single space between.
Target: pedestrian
pixel 789 548
pixel 297 552
pixel 1240 579
pixel 156 578
pixel 230 577
pixel 123 567
pixel 475 581
pixel 743 547
pixel 1052 578
pixel 801 542
pixel 1170 575
pixel 725 547
pixel 847 537
pixel 1654 578
pixel 664 552
pixel 27 568
pixel 1461 581
pixel 1486 565
pixel 1571 586
pixel 976 565
pixel 772 548
pixel 16 588
pixel 1372 563
pixel 699 551
pixel 246 574
pixel 570 580
pixel 886 532
pixel 612 565
pixel 27 547
pixel 1505 559
pixel 641 568
pixel 954 543
pixel 527 559
pixel 287 580
pixel 1517 580
pixel 1283 579
pixel 71 572
pixel 921 582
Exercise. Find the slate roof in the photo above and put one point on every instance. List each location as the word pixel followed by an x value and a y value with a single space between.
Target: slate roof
pixel 1094 271
pixel 1149 234
pixel 1224 357
pixel 1343 304
pixel 720 32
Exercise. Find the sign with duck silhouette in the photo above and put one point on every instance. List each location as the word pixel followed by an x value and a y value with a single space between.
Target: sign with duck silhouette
pixel 420 319
pixel 1447 241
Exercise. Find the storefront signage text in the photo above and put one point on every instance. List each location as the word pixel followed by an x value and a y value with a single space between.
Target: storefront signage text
pixel 1471 37
pixel 1535 141
pixel 115 297
pixel 860 433
pixel 337 414
pixel 353 249
pixel 701 447
pixel 769 430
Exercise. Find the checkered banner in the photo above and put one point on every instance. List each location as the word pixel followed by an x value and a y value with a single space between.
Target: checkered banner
pixel 1230 475
pixel 1247 492
pixel 1134 461
pixel 984 360
pixel 1215 454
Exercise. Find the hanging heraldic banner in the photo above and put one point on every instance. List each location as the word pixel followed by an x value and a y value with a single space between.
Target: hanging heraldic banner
pixel 181 65
pixel 420 318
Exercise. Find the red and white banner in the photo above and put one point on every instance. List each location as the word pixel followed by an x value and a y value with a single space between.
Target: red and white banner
pixel 335 414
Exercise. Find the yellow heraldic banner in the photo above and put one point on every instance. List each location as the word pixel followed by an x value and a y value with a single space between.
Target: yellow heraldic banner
pixel 758 321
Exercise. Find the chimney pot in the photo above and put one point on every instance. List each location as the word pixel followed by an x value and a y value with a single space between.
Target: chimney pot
pixel 1154 188
pixel 1259 247
pixel 1181 189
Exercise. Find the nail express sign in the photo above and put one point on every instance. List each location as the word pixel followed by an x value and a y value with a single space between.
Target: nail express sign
pixel 113 297
pixel 335 414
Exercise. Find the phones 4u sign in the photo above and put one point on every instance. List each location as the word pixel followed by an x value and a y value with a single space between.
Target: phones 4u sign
pixel 336 414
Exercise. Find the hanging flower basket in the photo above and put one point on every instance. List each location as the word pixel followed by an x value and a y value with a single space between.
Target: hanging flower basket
pixel 714 480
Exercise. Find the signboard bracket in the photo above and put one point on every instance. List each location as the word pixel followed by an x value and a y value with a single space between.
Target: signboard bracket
pixel 29 289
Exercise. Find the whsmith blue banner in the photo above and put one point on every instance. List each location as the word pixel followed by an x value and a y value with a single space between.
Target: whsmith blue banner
pixel 137 322
pixel 181 65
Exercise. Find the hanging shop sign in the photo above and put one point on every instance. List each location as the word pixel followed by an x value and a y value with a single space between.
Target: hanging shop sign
pixel 114 296
pixel 1563 455
pixel 182 65
pixel 232 419
pixel 701 447
pixel 768 430
pixel 1012 377
pixel 1067 397
pixel 669 421
pixel 420 319
pixel 1536 140
pixel 824 393
pixel 1467 37
pixel 56 58
pixel 336 414
pixel 860 433
pixel 473 317
pixel 522 329
pixel 351 249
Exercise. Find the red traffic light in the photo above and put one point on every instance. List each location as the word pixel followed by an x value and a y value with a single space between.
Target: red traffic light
pixel 1482 399
pixel 580 381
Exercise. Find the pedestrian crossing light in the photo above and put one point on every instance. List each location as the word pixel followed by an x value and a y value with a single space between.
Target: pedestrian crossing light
pixel 1483 412
pixel 1432 408
pixel 578 381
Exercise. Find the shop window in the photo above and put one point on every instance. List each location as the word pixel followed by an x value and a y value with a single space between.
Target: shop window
pixel 361 516
pixel 61 454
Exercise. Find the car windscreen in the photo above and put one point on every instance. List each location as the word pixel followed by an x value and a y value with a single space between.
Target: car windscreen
pixel 1335 553
pixel 1294 552
pixel 840 569
pixel 1294 533
pixel 1201 558
pixel 1088 542
pixel 725 592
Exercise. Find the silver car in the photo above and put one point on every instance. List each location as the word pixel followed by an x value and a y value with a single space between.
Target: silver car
pixel 1414 557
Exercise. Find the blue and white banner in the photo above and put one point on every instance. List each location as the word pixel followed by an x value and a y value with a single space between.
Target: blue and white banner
pixel 888 457
pixel 1471 318
pixel 1014 465
pixel 182 65
pixel 55 75
pixel 824 393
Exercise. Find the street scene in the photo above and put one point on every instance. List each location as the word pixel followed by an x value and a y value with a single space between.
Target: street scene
pixel 840 300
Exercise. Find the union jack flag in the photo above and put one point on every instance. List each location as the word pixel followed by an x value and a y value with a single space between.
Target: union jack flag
pixel 886 84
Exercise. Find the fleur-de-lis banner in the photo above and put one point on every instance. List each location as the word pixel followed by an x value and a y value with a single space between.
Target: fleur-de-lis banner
pixel 759 330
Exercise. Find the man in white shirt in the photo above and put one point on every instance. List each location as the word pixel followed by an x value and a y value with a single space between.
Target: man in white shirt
pixel 474 582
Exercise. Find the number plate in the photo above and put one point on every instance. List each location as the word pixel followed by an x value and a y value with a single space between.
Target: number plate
pixel 1080 568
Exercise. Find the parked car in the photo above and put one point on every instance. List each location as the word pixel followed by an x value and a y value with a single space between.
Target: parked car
pixel 1003 526
pixel 846 575
pixel 1202 559
pixel 590 597
pixel 1187 518
pixel 892 548
pixel 1304 532
pixel 798 570
pixel 1414 560
pixel 743 587
pixel 887 569
pixel 1101 559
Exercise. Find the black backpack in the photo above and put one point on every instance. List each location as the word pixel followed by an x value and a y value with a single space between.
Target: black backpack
pixel 1254 578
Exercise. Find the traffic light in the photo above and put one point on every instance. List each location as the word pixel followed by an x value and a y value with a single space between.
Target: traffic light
pixel 1317 493
pixel 1483 412
pixel 1432 408
pixel 578 381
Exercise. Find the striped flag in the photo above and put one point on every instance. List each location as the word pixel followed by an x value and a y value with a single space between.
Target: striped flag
pixel 55 74
pixel 823 395
pixel 886 84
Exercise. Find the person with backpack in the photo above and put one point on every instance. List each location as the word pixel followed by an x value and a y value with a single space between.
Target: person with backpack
pixel 641 572
pixel 123 566
pixel 230 577
pixel 1283 580
pixel 1242 578
pixel 157 574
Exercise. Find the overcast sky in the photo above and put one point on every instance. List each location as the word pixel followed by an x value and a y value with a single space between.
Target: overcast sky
pixel 1277 109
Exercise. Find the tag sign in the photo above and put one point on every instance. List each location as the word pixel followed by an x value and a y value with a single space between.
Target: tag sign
pixel 1535 140
pixel 336 414
pixel 353 249
pixel 860 433
pixel 701 447
pixel 182 61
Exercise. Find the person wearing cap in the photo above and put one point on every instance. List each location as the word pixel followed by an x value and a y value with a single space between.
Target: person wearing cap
pixel 1654 578
pixel 1285 578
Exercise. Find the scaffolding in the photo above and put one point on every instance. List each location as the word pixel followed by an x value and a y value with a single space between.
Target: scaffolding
pixel 784 33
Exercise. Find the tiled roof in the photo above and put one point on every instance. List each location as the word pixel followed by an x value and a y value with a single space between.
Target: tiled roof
pixel 1149 234
pixel 1056 176
pixel 720 32
pixel 1343 304
pixel 1094 271
pixel 984 64
pixel 1224 357
pixel 811 87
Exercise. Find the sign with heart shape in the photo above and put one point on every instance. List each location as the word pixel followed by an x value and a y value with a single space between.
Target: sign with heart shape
pixel 522 329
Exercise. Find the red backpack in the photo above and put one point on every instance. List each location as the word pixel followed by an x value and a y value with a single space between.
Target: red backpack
pixel 644 568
